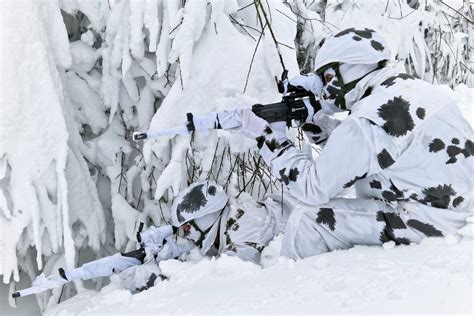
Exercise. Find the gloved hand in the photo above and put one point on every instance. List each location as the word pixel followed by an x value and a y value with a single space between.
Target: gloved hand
pixel 243 120
pixel 153 238
pixel 175 250
pixel 321 127
pixel 309 82
pixel 325 121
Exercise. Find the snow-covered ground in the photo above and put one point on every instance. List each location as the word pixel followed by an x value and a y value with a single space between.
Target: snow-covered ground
pixel 433 277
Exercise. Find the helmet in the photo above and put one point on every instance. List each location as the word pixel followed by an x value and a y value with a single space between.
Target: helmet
pixel 200 205
pixel 352 46
pixel 198 201
pixel 351 53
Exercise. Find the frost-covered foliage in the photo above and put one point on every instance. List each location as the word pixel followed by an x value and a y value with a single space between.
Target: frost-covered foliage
pixel 430 39
pixel 48 198
pixel 83 75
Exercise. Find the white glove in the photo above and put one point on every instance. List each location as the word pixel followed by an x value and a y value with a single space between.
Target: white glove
pixel 309 82
pixel 326 122
pixel 175 250
pixel 321 127
pixel 252 125
pixel 152 238
pixel 244 121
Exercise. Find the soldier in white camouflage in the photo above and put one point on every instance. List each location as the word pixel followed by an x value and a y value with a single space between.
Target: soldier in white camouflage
pixel 405 146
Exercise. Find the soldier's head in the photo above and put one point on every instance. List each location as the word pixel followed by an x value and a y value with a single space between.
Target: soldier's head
pixel 197 211
pixel 346 58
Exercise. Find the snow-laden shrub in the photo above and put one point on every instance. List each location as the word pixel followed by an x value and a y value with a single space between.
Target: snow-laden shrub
pixel 49 201
pixel 430 39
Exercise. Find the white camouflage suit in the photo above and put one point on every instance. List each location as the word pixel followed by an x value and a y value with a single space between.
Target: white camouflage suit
pixel 217 228
pixel 405 146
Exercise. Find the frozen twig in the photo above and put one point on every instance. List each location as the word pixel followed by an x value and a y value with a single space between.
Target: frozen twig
pixel 251 62
pixel 243 27
pixel 245 7
pixel 277 47
pixel 457 11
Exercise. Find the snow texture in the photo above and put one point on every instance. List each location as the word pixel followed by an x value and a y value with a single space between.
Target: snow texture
pixel 433 277
pixel 43 172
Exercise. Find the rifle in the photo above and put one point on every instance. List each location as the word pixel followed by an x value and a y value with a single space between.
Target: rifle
pixel 103 267
pixel 298 104
pixel 153 236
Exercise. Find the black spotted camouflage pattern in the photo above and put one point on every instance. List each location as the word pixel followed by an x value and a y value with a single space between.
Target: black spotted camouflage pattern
pixel 423 135
pixel 414 149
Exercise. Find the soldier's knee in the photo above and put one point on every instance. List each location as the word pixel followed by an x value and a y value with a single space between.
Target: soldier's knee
pixel 302 237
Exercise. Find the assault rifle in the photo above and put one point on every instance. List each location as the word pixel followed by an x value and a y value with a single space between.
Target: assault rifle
pixel 298 104
pixel 151 241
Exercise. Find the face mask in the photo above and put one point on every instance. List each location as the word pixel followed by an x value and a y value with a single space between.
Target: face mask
pixel 340 80
pixel 331 88
pixel 193 234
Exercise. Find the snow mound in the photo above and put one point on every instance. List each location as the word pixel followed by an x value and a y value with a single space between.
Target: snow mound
pixel 433 277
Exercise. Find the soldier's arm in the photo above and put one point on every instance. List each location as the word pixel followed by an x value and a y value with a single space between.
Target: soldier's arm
pixel 349 155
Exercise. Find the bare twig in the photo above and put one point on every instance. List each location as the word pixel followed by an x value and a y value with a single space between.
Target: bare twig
pixel 167 76
pixel 245 7
pixel 221 163
pixel 162 215
pixel 121 172
pixel 294 21
pixel 243 27
pixel 212 162
pixel 467 19
pixel 401 17
pixel 231 171
pixel 400 7
pixel 269 10
pixel 139 199
pixel 180 75
pixel 467 68
pixel 310 19
pixel 287 46
pixel 251 62
pixel 176 27
pixel 277 47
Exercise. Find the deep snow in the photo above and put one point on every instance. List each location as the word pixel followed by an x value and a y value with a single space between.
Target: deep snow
pixel 435 277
